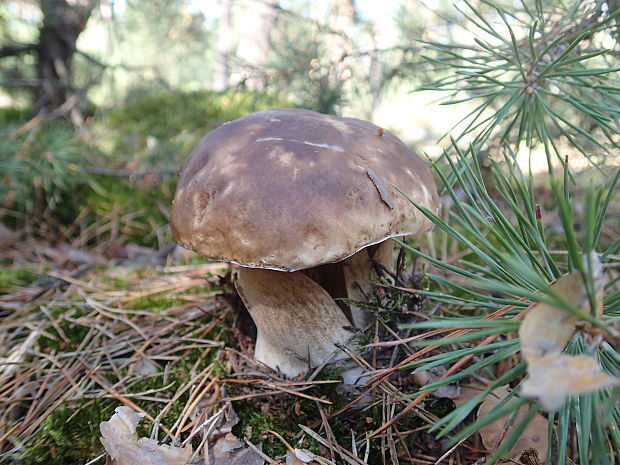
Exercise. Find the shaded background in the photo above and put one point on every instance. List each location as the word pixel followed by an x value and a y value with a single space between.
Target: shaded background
pixel 100 101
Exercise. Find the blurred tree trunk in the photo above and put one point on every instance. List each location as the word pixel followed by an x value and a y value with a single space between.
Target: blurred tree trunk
pixel 382 37
pixel 344 14
pixel 62 25
pixel 224 47
pixel 256 23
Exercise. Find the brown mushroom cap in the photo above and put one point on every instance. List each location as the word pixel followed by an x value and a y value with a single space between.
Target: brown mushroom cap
pixel 288 189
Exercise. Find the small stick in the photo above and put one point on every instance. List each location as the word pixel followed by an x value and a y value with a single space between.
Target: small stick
pixel 328 431
pixel 258 451
pixel 189 409
pixel 129 403
pixel 290 448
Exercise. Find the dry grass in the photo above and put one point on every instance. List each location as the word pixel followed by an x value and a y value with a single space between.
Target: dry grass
pixel 161 340
pixel 79 339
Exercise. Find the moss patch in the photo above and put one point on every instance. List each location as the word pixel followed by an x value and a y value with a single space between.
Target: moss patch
pixel 69 435
pixel 12 277
pixel 65 335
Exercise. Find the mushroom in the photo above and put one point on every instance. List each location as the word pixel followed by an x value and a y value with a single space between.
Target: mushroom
pixel 303 202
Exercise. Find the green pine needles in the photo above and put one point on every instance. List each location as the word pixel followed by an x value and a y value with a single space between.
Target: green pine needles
pixel 539 72
pixel 542 78
pixel 510 252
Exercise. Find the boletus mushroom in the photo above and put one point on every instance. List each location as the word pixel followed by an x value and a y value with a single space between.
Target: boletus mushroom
pixel 303 202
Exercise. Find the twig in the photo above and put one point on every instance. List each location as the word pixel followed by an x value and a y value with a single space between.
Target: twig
pixel 192 403
pixel 17 355
pixel 258 451
pixel 129 403
pixel 328 431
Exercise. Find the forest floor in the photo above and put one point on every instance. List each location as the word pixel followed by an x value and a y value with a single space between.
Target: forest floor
pixel 85 333
pixel 99 310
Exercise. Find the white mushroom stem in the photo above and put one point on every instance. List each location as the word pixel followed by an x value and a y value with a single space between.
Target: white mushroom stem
pixel 359 276
pixel 297 321
pixel 383 253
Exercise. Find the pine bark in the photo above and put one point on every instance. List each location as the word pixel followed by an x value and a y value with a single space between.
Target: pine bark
pixel 62 25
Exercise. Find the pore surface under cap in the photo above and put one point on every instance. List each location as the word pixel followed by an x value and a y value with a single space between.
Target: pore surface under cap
pixel 289 189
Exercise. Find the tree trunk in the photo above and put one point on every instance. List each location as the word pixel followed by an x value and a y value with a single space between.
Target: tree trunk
pixel 343 15
pixel 224 47
pixel 256 23
pixel 62 24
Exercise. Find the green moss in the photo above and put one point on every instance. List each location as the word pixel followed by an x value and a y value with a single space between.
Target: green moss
pixel 219 369
pixel 255 424
pixel 69 435
pixel 15 277
pixel 154 303
pixel 159 302
pixel 13 115
pixel 72 334
pixel 178 377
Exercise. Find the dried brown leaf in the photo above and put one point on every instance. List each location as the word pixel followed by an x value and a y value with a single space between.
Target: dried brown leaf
pixel 534 436
pixel 467 393
pixel 121 442
pixel 544 333
pixel 555 377
pixel 228 450
pixel 547 329
pixel 424 377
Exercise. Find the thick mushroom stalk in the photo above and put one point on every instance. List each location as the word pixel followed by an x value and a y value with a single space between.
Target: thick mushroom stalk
pixel 297 321
pixel 351 280
pixel 300 315
pixel 359 276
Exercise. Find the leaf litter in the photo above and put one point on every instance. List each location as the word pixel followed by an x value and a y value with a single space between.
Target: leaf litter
pixel 121 442
pixel 101 334
pixel 535 435
pixel 544 334
pixel 130 342
pixel 120 439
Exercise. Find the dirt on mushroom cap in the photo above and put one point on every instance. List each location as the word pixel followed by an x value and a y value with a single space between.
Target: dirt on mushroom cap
pixel 288 189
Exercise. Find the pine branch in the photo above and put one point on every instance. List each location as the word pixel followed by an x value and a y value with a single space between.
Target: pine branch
pixel 17 49
pixel 536 77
